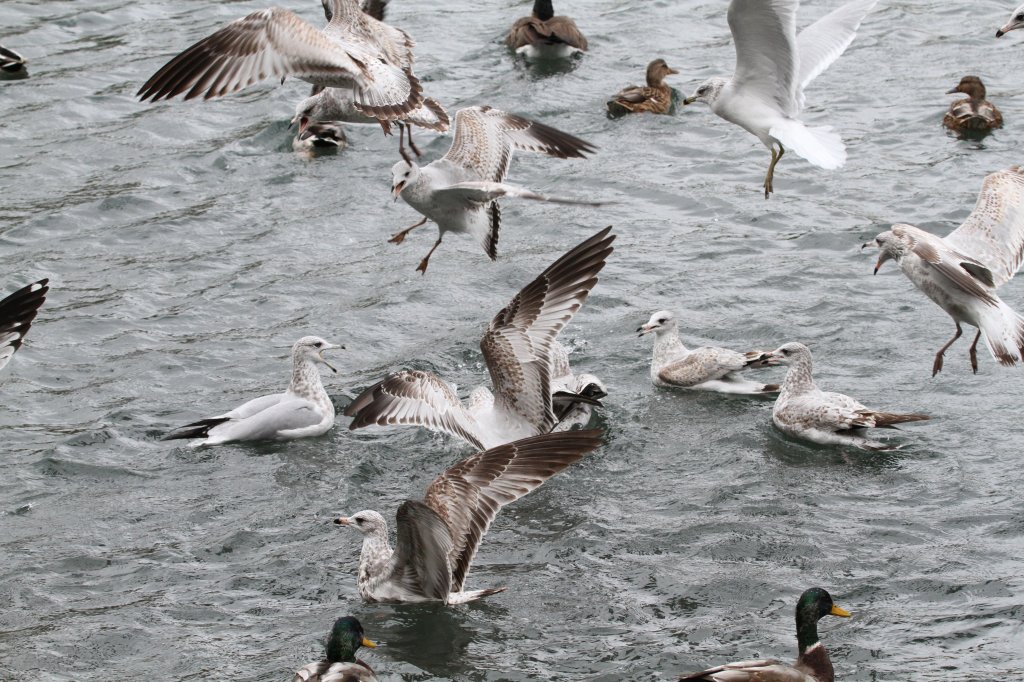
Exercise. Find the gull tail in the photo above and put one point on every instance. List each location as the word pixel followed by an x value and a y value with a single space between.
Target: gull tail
pixel 473 595
pixel 199 429
pixel 820 146
pixel 1003 330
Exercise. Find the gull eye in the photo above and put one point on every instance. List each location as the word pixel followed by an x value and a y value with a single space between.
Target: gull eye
pixel 318 344
pixel 663 320
pixel 359 520
pixel 1020 17
pixel 785 351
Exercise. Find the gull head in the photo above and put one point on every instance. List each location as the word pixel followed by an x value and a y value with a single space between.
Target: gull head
pixel 403 174
pixel 312 348
pixel 306 112
pixel 1016 21
pixel 366 522
pixel 660 323
pixel 790 353
pixel 892 244
pixel 593 387
pixel 707 92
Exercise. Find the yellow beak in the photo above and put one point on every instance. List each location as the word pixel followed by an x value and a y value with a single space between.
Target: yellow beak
pixel 369 644
pixel 839 611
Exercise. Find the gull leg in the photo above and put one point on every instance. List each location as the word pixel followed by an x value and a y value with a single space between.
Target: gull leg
pixel 412 145
pixel 423 263
pixel 937 365
pixel 401 143
pixel 399 237
pixel 769 184
pixel 974 352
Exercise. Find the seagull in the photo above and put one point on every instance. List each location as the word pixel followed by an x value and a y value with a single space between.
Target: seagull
pixel 773 66
pixel 328 135
pixel 812 663
pixel 438 537
pixel 542 35
pixel 1016 21
pixel 16 314
pixel 340 663
pixel 459 191
pixel 962 271
pixel 12 63
pixel 805 411
pixel 707 368
pixel 302 411
pixel 573 396
pixel 353 51
pixel 517 348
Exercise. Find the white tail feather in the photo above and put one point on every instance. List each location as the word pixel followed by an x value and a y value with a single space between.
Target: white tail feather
pixel 1003 330
pixel 820 146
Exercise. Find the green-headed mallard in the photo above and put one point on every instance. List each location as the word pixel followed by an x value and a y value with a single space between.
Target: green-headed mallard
pixel 974 114
pixel 655 97
pixel 812 665
pixel 340 663
pixel 543 35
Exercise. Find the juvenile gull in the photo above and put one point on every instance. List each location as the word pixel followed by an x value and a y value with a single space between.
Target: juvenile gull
pixel 302 411
pixel 340 664
pixel 707 368
pixel 1016 21
pixel 545 35
pixel 573 396
pixel 655 97
pixel 438 537
pixel 16 314
pixel 962 271
pixel 353 51
pixel 517 348
pixel 805 411
pixel 773 66
pixel 812 663
pixel 974 114
pixel 459 191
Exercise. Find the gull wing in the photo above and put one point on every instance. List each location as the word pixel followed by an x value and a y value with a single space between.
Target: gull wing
pixel 414 397
pixel 517 344
pixel 962 271
pixel 485 138
pixel 764 34
pixel 701 365
pixel 287 415
pixel 822 42
pixel 16 314
pixel 994 232
pixel 423 545
pixel 469 495
pixel 484 192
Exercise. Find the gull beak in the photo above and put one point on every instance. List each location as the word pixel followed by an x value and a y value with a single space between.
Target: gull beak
pixel 1004 30
pixel 343 521
pixel 689 100
pixel 396 191
pixel 367 643
pixel 839 611
pixel 645 329
pixel 329 346
pixel 882 257
pixel 303 123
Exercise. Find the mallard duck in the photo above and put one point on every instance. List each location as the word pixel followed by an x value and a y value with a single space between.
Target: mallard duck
pixel 655 97
pixel 542 35
pixel 812 664
pixel 11 62
pixel 340 663
pixel 974 113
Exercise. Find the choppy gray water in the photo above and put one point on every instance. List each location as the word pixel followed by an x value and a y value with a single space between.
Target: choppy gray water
pixel 188 246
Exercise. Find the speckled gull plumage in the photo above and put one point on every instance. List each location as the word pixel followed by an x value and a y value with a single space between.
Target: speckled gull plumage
pixel 459 191
pixel 517 348
pixel 302 411
pixel 353 51
pixel 438 537
pixel 805 411
pixel 708 368
pixel 962 271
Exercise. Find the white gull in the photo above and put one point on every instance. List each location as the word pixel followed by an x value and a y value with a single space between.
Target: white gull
pixel 773 66
pixel 1016 21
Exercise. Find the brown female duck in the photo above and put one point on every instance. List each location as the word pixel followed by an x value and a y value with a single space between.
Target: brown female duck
pixel 974 114
pixel 655 97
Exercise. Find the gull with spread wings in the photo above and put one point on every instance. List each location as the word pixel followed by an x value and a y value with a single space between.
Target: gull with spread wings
pixel 520 349
pixel 962 271
pixel 438 537
pixel 16 314
pixel 773 66
pixel 459 191
pixel 353 51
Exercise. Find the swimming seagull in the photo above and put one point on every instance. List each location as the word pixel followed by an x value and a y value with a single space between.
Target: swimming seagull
pixel 518 350
pixel 16 314
pixel 773 66
pixel 353 51
pixel 438 537
pixel 544 35
pixel 707 368
pixel 962 271
pixel 573 396
pixel 459 191
pixel 302 411
pixel 340 664
pixel 805 411
pixel 1016 21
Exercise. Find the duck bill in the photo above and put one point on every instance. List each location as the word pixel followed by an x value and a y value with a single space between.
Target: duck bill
pixel 671 71
pixel 368 644
pixel 396 191
pixel 839 611
pixel 952 92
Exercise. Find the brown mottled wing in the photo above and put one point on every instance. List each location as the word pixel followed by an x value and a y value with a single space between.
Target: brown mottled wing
pixel 423 546
pixel 271 43
pixel 469 495
pixel 16 314
pixel 417 398
pixel 766 670
pixel 702 364
pixel 484 139
pixel 964 272
pixel 517 344
pixel 375 8
pixel 994 232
